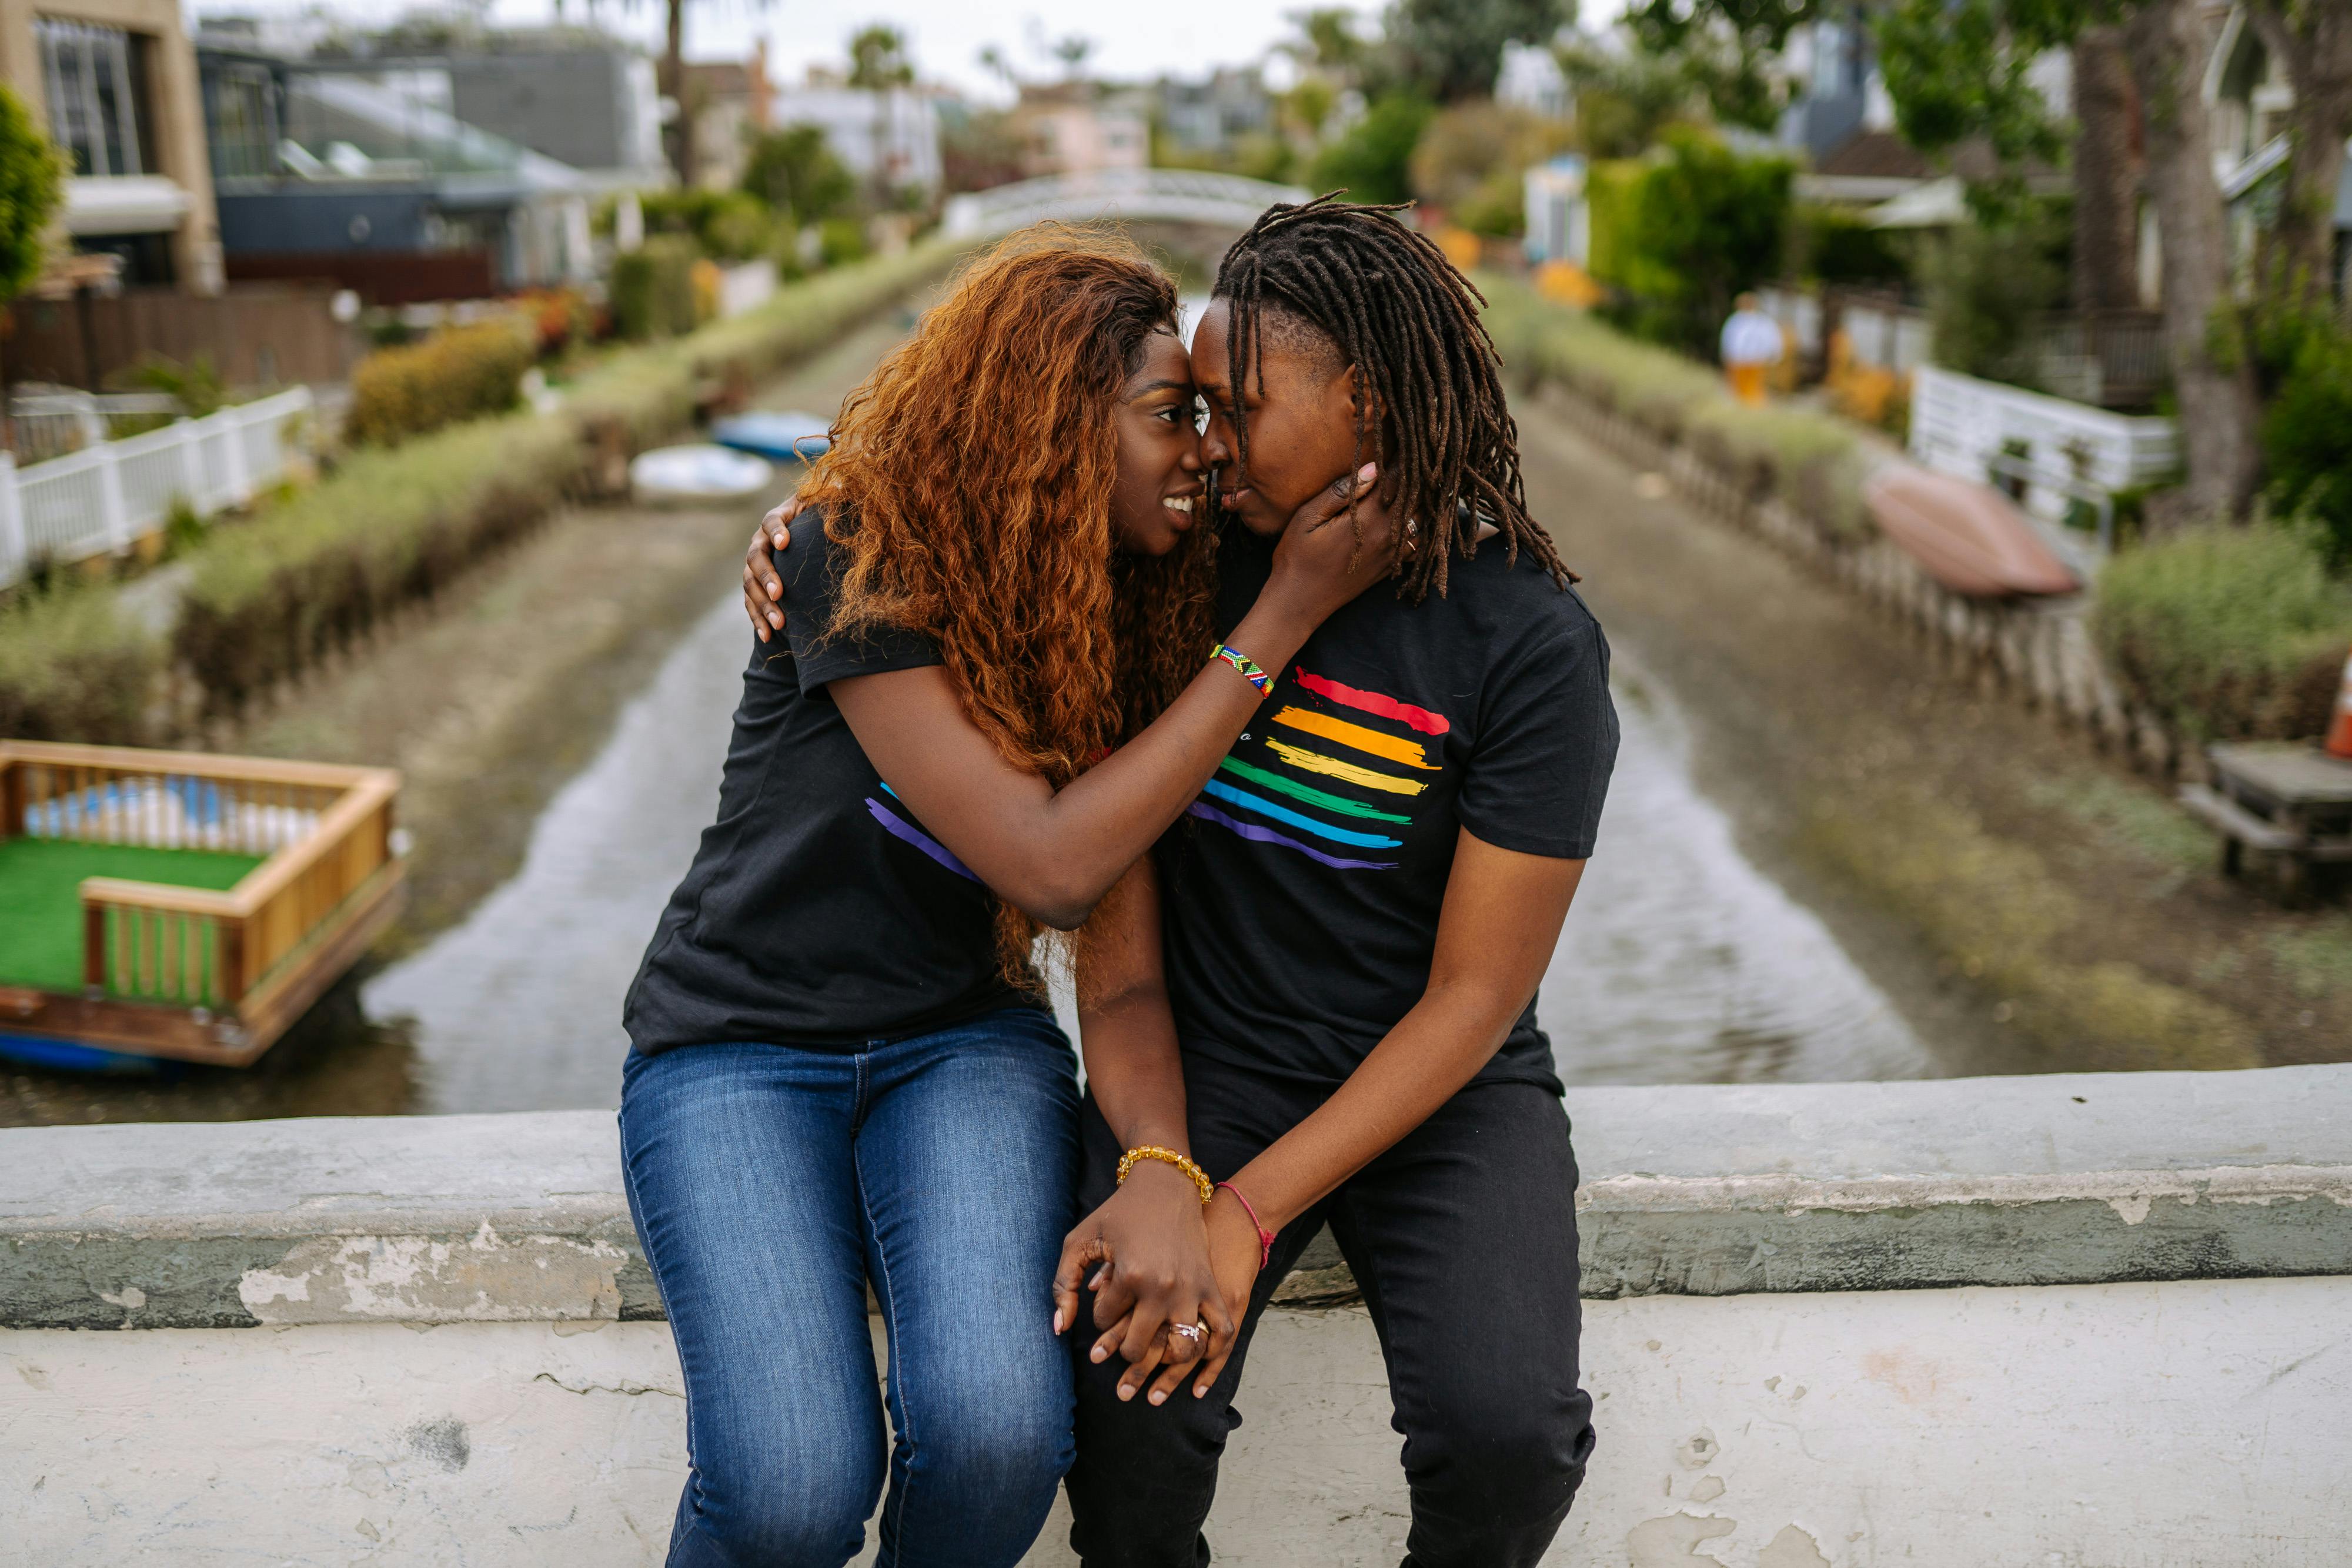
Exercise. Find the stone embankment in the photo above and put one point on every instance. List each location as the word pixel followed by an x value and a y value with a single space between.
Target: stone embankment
pixel 2040 650
pixel 1958 1322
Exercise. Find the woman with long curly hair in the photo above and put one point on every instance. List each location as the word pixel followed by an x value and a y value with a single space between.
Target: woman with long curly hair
pixel 995 690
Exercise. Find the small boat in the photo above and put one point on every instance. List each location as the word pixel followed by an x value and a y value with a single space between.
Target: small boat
pixel 177 906
pixel 699 475
pixel 787 437
pixel 1969 536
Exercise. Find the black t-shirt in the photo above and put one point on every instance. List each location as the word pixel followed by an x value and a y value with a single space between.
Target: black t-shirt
pixel 1300 892
pixel 817 912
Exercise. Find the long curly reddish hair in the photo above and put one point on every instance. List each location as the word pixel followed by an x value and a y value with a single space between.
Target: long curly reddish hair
pixel 968 495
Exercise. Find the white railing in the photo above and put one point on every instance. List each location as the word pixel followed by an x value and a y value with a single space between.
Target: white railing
pixel 99 500
pixel 1179 195
pixel 1963 426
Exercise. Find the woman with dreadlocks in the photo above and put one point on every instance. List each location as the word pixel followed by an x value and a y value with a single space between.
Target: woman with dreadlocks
pixel 1349 924
pixel 842 1067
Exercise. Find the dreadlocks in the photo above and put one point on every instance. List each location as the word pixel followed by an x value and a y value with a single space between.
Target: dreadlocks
pixel 1397 311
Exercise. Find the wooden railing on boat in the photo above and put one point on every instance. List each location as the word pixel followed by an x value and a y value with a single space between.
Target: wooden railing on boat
pixel 161 961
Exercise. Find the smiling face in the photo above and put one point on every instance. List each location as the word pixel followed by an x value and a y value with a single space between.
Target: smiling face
pixel 1159 491
pixel 1299 399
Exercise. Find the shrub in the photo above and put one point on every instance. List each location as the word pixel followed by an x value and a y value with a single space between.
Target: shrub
pixel 841 240
pixel 653 289
pixel 1696 226
pixel 1985 288
pixel 729 226
pixel 73 667
pixel 2308 442
pixel 1371 161
pixel 2232 634
pixel 457 373
pixel 269 597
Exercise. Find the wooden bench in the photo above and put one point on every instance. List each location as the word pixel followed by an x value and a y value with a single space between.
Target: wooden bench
pixel 2290 803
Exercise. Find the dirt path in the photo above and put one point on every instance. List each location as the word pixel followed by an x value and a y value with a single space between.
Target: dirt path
pixel 2011 889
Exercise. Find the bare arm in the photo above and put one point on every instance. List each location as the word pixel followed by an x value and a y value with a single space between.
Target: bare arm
pixel 1146 1250
pixel 1054 853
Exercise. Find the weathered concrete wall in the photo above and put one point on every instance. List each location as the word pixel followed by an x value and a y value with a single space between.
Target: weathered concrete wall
pixel 2092 1321
pixel 2199 1425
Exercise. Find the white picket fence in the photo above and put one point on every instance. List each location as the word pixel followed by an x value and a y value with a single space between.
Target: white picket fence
pixel 101 499
pixel 1962 425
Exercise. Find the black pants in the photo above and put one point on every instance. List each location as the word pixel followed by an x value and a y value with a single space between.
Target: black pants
pixel 1462 1238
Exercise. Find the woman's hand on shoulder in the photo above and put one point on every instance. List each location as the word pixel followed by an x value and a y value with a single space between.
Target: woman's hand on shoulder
pixel 764 595
pixel 1338 543
pixel 1145 1255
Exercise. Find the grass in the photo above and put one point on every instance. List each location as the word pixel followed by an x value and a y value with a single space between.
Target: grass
pixel 41 898
pixel 2000 914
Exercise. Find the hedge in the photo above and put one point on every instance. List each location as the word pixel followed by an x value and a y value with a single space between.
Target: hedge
pixel 653 288
pixel 74 667
pixel 267 597
pixel 2230 633
pixel 651 391
pixel 457 373
pixel 1815 462
pixel 394 524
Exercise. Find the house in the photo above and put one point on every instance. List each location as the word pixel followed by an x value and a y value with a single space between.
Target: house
pixel 730 103
pixel 114 82
pixel 889 138
pixel 1079 128
pixel 1209 115
pixel 369 178
pixel 2251 104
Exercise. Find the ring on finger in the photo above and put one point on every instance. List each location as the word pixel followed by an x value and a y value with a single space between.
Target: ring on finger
pixel 1193 1334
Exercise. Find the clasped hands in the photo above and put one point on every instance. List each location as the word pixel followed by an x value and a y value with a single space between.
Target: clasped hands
pixel 1156 1258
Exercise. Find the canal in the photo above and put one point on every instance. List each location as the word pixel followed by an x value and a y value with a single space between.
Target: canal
pixel 1681 963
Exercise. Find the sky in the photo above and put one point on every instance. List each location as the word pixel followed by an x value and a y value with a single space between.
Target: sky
pixel 1132 42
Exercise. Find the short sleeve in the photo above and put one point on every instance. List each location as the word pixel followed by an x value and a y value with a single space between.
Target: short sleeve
pixel 809 572
pixel 1546 744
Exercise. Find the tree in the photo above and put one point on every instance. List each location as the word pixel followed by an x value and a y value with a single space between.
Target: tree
pixel 1725 46
pixel 1454 47
pixel 32 180
pixel 2106 262
pixel 2313 39
pixel 795 173
pixel 1328 41
pixel 1959 68
pixel 2212 373
pixel 878 59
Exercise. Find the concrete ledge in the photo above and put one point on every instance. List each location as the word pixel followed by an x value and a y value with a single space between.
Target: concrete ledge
pixel 1688 1190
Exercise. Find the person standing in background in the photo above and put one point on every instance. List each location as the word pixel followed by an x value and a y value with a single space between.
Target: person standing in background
pixel 1751 347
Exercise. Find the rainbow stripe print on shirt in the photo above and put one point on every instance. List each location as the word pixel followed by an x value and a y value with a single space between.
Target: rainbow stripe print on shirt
pixel 899 828
pixel 1334 789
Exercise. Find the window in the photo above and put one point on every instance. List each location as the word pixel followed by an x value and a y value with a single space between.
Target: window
pixel 92 76
pixel 241 109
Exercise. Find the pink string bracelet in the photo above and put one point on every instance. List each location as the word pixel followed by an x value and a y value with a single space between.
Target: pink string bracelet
pixel 1265 1237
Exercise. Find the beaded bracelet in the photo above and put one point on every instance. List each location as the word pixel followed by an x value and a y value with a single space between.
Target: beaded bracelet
pixel 1246 665
pixel 1199 1178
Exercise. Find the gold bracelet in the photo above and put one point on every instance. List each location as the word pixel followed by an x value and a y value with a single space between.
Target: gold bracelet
pixel 1200 1178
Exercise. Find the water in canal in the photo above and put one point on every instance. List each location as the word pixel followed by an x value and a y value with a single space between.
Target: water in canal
pixel 1681 962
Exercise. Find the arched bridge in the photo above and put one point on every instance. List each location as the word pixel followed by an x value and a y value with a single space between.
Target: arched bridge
pixel 1172 195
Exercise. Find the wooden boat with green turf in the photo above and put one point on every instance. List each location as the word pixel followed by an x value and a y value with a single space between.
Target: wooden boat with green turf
pixel 178 906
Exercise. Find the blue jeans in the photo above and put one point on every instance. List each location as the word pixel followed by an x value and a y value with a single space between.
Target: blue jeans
pixel 769 1185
